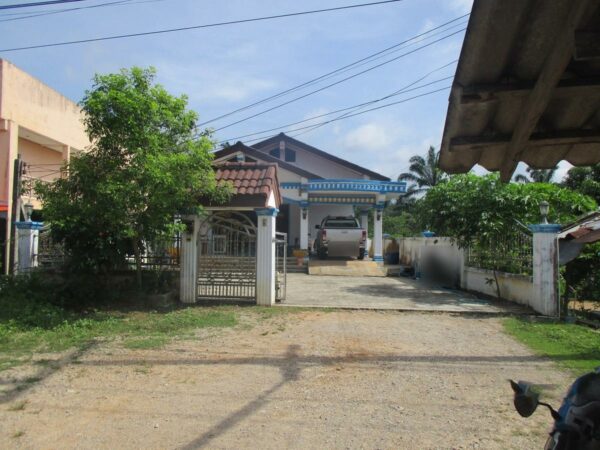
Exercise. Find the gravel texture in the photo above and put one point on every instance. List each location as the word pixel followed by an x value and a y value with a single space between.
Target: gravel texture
pixel 308 379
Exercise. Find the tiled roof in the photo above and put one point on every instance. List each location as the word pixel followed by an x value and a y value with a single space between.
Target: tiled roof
pixel 252 152
pixel 250 179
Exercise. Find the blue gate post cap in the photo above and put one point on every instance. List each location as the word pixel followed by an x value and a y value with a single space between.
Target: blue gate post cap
pixel 29 225
pixel 428 233
pixel 266 211
pixel 545 228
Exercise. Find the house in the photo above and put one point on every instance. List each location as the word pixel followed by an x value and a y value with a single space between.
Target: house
pixel 41 128
pixel 314 184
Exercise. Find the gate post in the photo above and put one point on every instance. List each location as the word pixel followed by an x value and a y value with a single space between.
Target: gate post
pixel 188 265
pixel 27 245
pixel 545 268
pixel 265 256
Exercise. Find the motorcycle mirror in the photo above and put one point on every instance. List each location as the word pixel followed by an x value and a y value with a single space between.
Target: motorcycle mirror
pixel 525 400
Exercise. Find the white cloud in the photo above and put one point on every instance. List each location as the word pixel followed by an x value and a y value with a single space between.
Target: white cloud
pixel 209 83
pixel 370 137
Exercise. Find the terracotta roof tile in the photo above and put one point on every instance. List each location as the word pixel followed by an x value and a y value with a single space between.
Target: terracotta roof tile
pixel 250 179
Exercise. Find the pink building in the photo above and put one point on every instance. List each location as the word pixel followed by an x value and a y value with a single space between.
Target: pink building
pixel 42 128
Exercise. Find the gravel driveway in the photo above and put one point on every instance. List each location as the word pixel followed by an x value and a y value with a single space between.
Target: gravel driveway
pixel 299 379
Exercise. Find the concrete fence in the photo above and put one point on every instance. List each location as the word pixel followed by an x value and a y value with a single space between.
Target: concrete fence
pixel 441 260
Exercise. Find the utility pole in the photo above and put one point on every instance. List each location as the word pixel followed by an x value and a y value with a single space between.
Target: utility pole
pixel 16 212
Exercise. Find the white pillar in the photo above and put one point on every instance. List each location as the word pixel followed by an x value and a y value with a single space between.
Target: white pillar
pixel 265 256
pixel 304 225
pixel 188 264
pixel 378 233
pixel 545 269
pixel 27 235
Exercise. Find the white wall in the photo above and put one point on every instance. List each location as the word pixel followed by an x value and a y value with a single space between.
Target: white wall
pixel 513 287
pixel 419 252
pixel 316 164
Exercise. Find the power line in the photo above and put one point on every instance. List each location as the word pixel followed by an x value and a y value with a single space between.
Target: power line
pixel 403 90
pixel 387 105
pixel 195 27
pixel 337 82
pixel 354 108
pixel 61 11
pixel 328 74
pixel 349 108
pixel 48 2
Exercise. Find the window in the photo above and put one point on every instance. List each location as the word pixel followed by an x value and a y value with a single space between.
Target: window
pixel 275 152
pixel 290 155
pixel 341 223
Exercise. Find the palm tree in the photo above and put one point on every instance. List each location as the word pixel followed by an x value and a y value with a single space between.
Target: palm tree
pixel 423 172
pixel 537 175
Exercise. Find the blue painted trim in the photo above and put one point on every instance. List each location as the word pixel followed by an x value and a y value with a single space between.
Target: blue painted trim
pixel 290 185
pixel 29 225
pixel 357 185
pixel 545 228
pixel 378 258
pixel 267 212
pixel 380 206
pixel 304 204
pixel 428 234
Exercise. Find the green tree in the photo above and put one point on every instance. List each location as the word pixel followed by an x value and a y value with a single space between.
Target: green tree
pixel 537 175
pixel 144 166
pixel 469 207
pixel 486 214
pixel 585 180
pixel 424 172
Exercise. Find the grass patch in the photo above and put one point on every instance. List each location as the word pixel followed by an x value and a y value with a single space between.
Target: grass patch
pixel 574 347
pixel 140 330
pixel 18 434
pixel 146 343
pixel 18 406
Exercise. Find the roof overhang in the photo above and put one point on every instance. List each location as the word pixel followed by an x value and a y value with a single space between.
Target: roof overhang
pixel 527 87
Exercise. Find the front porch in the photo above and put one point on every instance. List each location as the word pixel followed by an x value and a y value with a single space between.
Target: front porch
pixel 307 203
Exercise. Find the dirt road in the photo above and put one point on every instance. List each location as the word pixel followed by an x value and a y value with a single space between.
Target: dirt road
pixel 347 379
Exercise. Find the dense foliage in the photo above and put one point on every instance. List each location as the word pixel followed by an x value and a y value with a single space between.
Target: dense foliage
pixel 145 165
pixel 468 207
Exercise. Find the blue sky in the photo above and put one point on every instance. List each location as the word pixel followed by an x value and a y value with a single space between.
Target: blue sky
pixel 221 69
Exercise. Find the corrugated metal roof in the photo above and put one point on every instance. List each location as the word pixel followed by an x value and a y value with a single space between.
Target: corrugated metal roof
pixel 527 87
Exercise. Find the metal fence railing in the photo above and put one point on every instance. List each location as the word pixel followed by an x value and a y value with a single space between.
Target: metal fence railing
pixel 160 255
pixel 511 253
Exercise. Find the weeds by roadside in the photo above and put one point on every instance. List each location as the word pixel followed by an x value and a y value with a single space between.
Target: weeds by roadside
pixel 573 346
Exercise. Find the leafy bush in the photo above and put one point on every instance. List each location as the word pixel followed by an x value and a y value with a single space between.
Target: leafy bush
pixel 29 302
pixel 470 207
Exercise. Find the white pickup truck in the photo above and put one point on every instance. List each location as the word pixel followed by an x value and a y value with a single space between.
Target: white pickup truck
pixel 340 236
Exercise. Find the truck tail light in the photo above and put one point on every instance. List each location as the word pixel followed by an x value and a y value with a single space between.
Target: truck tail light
pixel 364 235
pixel 324 234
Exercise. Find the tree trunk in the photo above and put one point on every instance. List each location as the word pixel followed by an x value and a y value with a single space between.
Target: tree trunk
pixel 138 262
pixel 497 284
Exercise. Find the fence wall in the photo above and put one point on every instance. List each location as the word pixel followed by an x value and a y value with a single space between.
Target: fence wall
pixel 427 255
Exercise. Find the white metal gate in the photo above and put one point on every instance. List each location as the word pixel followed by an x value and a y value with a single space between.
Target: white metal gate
pixel 227 257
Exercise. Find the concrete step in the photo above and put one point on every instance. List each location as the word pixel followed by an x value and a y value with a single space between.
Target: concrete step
pixel 348 268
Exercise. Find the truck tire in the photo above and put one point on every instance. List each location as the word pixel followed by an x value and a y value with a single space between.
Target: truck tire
pixel 322 253
pixel 361 253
